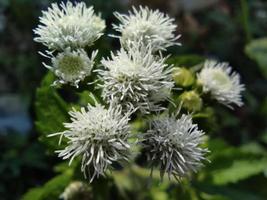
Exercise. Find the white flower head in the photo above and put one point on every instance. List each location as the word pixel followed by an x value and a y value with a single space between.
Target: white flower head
pixel 223 84
pixel 136 79
pixel 71 66
pixel 173 145
pixel 99 136
pixel 69 25
pixel 153 27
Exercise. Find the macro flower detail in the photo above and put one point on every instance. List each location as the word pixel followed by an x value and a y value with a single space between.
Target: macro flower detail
pixel 136 79
pixel 99 136
pixel 153 27
pixel 69 25
pixel 72 66
pixel 173 145
pixel 223 84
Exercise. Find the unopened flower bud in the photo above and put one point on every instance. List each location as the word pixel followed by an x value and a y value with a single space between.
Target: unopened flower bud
pixel 191 101
pixel 183 77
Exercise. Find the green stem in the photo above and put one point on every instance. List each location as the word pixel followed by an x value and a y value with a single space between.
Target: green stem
pixel 245 19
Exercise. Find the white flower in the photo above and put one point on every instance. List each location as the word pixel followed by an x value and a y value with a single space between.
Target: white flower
pixel 71 66
pixel 153 27
pixel 136 79
pixel 69 25
pixel 99 136
pixel 223 84
pixel 173 146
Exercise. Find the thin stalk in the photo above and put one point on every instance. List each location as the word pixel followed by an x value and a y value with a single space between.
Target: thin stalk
pixel 245 19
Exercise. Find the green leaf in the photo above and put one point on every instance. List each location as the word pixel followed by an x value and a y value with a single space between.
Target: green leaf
pixel 52 189
pixel 238 170
pixel 185 60
pixel 85 98
pixel 230 164
pixel 228 193
pixel 212 196
pixel 33 194
pixel 51 112
pixel 257 50
pixel 56 186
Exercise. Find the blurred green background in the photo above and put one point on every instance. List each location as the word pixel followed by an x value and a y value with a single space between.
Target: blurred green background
pixel 227 30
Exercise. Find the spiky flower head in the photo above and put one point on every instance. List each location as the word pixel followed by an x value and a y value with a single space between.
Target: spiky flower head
pixel 69 25
pixel 173 145
pixel 152 26
pixel 71 66
pixel 223 84
pixel 99 136
pixel 136 79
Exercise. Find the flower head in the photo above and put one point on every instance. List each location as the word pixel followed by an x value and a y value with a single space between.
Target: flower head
pixel 99 136
pixel 72 66
pixel 136 79
pixel 173 146
pixel 69 25
pixel 223 84
pixel 153 27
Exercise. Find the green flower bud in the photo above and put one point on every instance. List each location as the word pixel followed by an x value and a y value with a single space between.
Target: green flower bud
pixel 191 101
pixel 183 77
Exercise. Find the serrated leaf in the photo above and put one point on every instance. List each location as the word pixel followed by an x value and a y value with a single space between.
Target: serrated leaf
pixel 51 112
pixel 257 50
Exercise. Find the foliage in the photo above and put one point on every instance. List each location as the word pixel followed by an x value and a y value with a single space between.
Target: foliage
pixel 257 50
pixel 20 156
pixel 51 112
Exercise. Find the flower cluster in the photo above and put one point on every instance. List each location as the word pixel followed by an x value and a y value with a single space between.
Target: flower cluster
pixel 68 28
pixel 135 79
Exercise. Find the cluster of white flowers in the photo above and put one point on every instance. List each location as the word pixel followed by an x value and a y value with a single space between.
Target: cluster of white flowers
pixel 134 79
pixel 68 28
pixel 136 76
pixel 223 84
